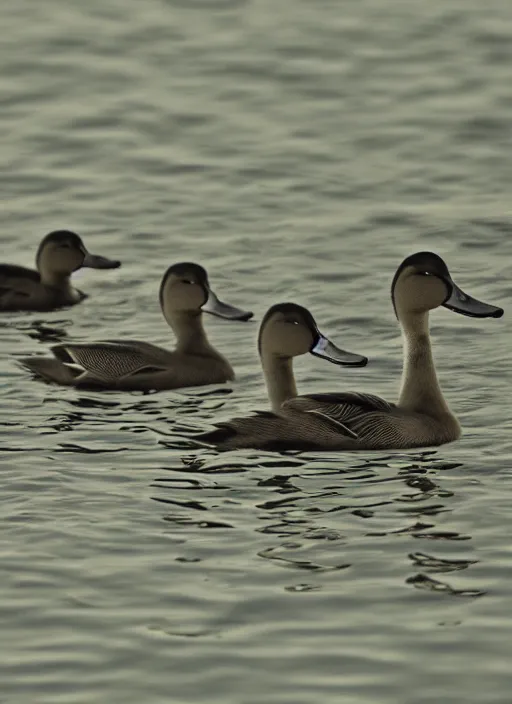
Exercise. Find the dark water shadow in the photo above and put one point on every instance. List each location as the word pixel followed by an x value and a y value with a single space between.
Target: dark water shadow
pixel 41 331
pixel 422 581
pixel 296 501
pixel 128 413
pixel 429 564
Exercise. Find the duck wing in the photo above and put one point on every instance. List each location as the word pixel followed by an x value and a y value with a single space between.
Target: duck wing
pixel 358 416
pixel 112 360
pixel 18 286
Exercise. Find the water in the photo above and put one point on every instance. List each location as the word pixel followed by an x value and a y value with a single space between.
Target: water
pixel 298 150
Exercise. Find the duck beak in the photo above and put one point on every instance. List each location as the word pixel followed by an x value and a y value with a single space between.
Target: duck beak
pixel 224 310
pixel 460 302
pixel 327 350
pixel 96 261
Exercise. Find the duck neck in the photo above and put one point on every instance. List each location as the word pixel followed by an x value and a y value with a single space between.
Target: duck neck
pixel 190 334
pixel 420 391
pixel 55 280
pixel 278 372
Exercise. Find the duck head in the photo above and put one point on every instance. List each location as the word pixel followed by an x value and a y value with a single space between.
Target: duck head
pixel 289 330
pixel 62 252
pixel 423 282
pixel 185 289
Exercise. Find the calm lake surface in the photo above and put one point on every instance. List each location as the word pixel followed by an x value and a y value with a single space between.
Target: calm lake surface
pixel 298 150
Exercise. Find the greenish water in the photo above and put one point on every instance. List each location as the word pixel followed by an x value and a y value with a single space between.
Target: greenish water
pixel 299 151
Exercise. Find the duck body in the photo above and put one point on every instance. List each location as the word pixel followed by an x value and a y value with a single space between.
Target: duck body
pixel 49 287
pixel 345 421
pixel 287 331
pixel 133 365
pixel 358 421
pixel 22 289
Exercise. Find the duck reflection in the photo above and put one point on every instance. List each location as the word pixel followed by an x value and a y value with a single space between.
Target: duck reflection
pixel 42 332
pixel 79 413
pixel 319 514
pixel 422 581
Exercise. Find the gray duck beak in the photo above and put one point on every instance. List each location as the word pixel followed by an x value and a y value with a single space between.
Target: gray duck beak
pixel 460 302
pixel 326 349
pixel 96 261
pixel 223 310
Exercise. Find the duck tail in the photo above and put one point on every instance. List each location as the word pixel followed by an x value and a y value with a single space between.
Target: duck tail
pixel 51 370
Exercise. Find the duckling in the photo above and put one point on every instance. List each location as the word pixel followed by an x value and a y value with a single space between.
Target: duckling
pixel 360 421
pixel 140 366
pixel 287 331
pixel 60 254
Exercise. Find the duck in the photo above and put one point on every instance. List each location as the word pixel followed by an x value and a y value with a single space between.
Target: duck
pixel 48 287
pixel 287 330
pixel 130 365
pixel 360 421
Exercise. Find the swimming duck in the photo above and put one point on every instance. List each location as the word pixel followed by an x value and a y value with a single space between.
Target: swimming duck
pixel 287 331
pixel 359 421
pixel 140 366
pixel 60 254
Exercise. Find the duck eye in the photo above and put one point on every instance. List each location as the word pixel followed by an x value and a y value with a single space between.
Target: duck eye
pixel 187 281
pixel 425 273
pixel 65 245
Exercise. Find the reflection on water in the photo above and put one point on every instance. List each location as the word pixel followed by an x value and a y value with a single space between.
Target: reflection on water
pixel 435 564
pixel 296 508
pixel 40 330
pixel 423 581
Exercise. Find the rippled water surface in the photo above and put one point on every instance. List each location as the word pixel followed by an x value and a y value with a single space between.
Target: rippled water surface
pixel 299 150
